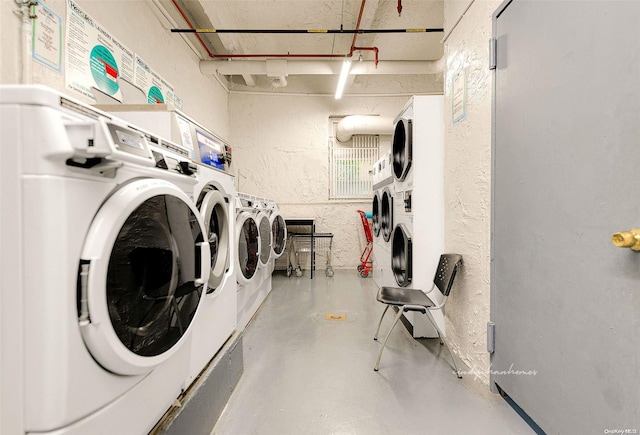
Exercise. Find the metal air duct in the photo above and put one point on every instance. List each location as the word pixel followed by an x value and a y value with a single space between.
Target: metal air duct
pixel 363 124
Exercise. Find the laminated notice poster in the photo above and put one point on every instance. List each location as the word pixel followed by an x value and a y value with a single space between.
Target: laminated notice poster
pixel 46 41
pixel 95 58
pixel 157 89
pixel 459 96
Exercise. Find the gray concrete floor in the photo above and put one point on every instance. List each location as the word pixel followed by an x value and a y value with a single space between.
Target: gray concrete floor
pixel 305 374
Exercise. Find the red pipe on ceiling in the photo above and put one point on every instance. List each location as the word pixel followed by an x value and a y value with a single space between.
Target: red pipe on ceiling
pixel 188 21
pixel 232 56
pixel 353 43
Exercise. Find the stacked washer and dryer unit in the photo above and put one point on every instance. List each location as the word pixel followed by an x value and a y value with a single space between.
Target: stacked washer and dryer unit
pixel 261 238
pixel 382 220
pixel 109 262
pixel 417 239
pixel 214 195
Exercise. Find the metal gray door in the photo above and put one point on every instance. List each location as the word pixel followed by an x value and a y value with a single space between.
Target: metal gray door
pixel 564 300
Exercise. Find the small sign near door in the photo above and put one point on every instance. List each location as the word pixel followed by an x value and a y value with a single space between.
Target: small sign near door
pixel 459 96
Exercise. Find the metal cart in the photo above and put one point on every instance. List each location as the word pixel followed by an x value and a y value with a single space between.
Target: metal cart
pixel 301 244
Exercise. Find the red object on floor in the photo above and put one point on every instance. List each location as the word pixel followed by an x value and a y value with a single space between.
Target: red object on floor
pixel 366 264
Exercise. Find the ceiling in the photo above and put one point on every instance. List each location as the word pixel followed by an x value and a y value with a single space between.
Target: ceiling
pixel 252 51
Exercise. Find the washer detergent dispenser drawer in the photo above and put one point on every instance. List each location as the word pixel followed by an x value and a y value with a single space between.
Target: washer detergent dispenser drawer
pixel 103 146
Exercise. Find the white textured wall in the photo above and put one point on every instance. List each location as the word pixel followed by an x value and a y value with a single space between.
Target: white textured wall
pixel 468 180
pixel 280 151
pixel 137 25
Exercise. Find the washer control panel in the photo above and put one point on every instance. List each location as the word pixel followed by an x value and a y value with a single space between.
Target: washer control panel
pixel 407 201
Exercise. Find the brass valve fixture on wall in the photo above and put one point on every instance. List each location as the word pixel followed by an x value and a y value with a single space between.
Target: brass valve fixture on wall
pixel 627 239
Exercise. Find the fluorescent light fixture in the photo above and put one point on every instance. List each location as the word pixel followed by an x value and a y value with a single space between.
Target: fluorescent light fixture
pixel 344 73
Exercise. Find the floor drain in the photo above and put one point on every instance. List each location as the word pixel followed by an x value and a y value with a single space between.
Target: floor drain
pixel 332 316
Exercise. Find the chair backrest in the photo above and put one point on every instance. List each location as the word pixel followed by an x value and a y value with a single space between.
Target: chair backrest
pixel 446 273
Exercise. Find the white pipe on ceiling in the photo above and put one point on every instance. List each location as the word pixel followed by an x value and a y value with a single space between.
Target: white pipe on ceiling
pixel 321 67
pixel 363 124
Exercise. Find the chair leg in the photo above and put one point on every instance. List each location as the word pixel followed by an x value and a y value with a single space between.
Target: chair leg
pixel 400 311
pixel 375 337
pixel 452 359
pixel 440 337
pixel 443 341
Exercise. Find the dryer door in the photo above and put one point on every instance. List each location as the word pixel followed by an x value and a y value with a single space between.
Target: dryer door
pixel 278 234
pixel 401 255
pixel 141 276
pixel 215 211
pixel 248 244
pixel 386 215
pixel 402 148
pixel 375 219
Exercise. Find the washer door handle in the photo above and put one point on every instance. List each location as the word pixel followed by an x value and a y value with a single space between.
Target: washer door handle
pixel 205 262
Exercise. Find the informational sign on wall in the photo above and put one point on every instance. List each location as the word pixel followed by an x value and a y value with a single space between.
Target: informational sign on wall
pixel 95 58
pixel 47 38
pixel 459 96
pixel 157 89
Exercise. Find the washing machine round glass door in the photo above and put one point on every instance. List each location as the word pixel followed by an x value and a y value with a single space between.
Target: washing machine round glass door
pixel 402 148
pixel 386 215
pixel 375 218
pixel 215 212
pixel 401 255
pixel 278 234
pixel 141 276
pixel 264 227
pixel 248 244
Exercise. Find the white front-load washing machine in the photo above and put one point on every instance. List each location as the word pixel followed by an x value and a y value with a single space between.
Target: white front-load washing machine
pixel 273 230
pixel 248 251
pixel 109 262
pixel 418 206
pixel 214 196
pixel 217 318
pixel 382 220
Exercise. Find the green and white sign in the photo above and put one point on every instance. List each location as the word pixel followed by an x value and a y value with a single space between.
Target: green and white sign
pixel 95 59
